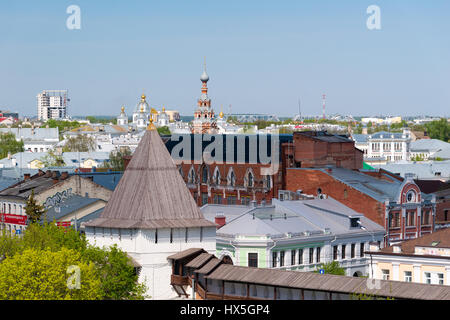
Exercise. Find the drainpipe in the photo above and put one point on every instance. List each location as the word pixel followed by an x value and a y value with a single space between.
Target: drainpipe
pixel 193 287
pixel 270 249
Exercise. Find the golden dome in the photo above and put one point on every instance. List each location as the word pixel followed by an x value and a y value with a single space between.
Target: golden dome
pixel 221 114
pixel 143 97
pixel 142 108
pixel 123 108
pixel 153 111
pixel 163 109
pixel 151 126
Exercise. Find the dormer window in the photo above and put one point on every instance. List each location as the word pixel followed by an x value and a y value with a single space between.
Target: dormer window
pixel 354 222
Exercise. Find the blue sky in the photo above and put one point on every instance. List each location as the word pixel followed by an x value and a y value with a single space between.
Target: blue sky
pixel 262 56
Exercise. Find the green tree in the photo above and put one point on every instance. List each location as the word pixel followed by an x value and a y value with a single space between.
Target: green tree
pixel 332 267
pixel 116 161
pixel 119 281
pixel 33 210
pixel 43 275
pixel 439 129
pixel 9 144
pixel 79 143
pixel 51 159
pixel 112 266
pixel 163 131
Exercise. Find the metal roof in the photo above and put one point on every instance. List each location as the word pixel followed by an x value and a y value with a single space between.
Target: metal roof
pixel 327 282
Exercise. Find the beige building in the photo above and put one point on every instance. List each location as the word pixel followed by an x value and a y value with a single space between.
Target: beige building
pixel 422 260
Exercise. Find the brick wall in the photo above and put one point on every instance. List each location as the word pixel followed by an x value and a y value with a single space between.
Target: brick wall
pixel 310 180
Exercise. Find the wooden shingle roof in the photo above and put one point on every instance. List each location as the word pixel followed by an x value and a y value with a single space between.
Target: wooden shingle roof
pixel 151 193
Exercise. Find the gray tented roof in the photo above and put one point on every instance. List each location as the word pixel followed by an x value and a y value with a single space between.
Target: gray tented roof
pixel 151 193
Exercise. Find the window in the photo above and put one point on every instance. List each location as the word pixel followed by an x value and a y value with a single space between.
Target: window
pixel 385 274
pixel 268 182
pixel 445 215
pixel 318 255
pixel 205 174
pixel 216 177
pixel 231 200
pixel 411 196
pixel 343 252
pixel 281 258
pixel 250 179
pixel 300 256
pixel 201 234
pixel 408 276
pixel 274 259
pixel 440 278
pixel 293 252
pixel 204 198
pixel 354 222
pixel 335 252
pixel 218 199
pixel 311 255
pixel 171 235
pixel 253 260
pixel 361 250
pixel 231 178
pixel 156 236
pixel 245 201
pixel 427 277
pixel 186 235
pixel 426 217
pixel 352 251
pixel 410 218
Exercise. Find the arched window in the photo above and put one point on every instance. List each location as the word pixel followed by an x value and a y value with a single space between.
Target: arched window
pixel 205 174
pixel 268 182
pixel 231 178
pixel 216 176
pixel 250 179
pixel 411 196
pixel 191 175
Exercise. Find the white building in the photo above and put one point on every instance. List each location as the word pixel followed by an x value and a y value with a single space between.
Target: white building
pixel 297 235
pixel 391 146
pixel 35 139
pixel 152 215
pixel 422 260
pixel 52 104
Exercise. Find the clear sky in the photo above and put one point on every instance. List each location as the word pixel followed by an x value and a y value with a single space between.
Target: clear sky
pixel 262 56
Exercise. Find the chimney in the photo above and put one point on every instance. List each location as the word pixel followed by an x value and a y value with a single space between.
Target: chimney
pixel 26 176
pixel 220 220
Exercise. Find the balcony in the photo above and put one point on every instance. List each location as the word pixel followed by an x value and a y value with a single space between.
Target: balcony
pixel 178 280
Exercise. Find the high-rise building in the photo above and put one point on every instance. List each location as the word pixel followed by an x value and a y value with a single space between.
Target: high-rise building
pixel 52 104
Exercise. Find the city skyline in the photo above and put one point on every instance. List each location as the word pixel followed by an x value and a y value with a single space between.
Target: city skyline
pixel 262 57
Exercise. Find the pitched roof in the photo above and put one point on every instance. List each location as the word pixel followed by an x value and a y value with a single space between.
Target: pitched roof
pixel 327 282
pixel 440 238
pixel 151 193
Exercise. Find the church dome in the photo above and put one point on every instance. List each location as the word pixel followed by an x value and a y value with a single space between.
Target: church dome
pixel 142 105
pixel 204 77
